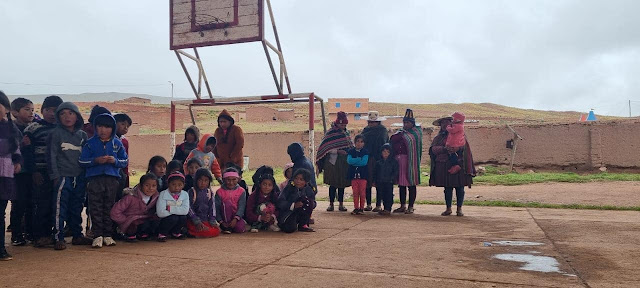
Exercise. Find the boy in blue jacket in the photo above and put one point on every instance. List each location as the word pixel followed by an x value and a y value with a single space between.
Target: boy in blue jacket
pixel 103 156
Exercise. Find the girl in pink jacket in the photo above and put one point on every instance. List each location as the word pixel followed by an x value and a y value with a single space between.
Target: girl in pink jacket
pixel 135 213
pixel 455 141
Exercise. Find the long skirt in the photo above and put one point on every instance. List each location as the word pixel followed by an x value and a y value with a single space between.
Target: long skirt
pixel 403 170
pixel 337 175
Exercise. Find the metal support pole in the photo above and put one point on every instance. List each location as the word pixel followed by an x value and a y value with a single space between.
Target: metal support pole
pixel 173 129
pixel 312 144
pixel 275 33
pixel 206 81
pixel 273 71
pixel 184 68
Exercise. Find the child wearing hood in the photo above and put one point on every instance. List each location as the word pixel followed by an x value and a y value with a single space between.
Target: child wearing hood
pixel 385 174
pixel 455 141
pixel 296 203
pixel 296 152
pixel 135 213
pixel 95 111
pixel 288 172
pixel 261 210
pixel 191 138
pixel 103 156
pixel 205 153
pixel 202 210
pixel 63 152
pixel 230 140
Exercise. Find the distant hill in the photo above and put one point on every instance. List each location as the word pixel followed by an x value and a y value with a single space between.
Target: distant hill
pixel 97 97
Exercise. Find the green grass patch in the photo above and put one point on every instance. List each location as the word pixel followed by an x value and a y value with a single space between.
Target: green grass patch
pixel 512 179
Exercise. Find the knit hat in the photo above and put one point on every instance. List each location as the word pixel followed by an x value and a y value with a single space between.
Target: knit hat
pixel 287 167
pixel 342 118
pixel 51 101
pixel 175 175
pixel 458 116
pixel 225 115
pixel 97 110
pixel 408 117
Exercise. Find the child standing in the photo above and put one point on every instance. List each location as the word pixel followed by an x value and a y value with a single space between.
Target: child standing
pixel 10 159
pixel 135 213
pixel 204 153
pixel 191 137
pixel 103 156
pixel 230 140
pixel 296 203
pixel 192 167
pixel 385 174
pixel 231 201
pixel 455 141
pixel 123 122
pixel 21 207
pixel 172 208
pixel 37 135
pixel 65 146
pixel 202 210
pixel 158 167
pixel 358 173
pixel 261 209
pixel 288 172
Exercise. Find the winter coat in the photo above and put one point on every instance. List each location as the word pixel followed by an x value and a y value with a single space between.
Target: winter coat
pixel 183 149
pixel 358 160
pixel 296 153
pixel 374 138
pixel 386 171
pixel 65 146
pixel 202 206
pixel 208 160
pixel 94 147
pixel 230 143
pixel 456 136
pixel 132 209
pixel 235 199
pixel 256 198
pixel 291 195
pixel 38 133
pixel 167 205
pixel 9 156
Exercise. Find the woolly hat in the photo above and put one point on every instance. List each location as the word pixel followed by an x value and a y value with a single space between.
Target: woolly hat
pixel 408 117
pixel 97 110
pixel 342 118
pixel 458 116
pixel 175 175
pixel 225 115
pixel 287 167
pixel 51 101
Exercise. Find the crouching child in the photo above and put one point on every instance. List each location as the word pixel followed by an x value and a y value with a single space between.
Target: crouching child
pixel 202 210
pixel 296 203
pixel 172 208
pixel 135 213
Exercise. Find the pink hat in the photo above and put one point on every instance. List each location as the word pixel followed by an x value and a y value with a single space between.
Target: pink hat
pixel 230 174
pixel 175 175
pixel 458 116
pixel 342 118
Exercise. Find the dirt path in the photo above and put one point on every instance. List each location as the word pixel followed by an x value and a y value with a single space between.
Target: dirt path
pixel 596 193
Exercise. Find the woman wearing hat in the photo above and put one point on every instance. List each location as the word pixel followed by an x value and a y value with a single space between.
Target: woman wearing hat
pixel 440 177
pixel 375 135
pixel 332 159
pixel 407 146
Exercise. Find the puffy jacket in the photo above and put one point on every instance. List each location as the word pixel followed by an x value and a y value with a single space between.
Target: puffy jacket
pixel 386 171
pixel 290 195
pixel 132 209
pixel 95 148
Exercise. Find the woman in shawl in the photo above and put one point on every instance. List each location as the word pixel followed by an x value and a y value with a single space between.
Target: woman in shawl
pixel 407 146
pixel 332 159
pixel 440 163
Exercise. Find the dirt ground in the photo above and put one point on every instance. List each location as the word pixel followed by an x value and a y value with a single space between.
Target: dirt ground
pixel 592 249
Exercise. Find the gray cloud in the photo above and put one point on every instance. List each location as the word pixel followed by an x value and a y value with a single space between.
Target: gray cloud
pixel 552 55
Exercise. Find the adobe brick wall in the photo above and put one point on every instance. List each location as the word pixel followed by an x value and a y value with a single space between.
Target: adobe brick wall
pixel 578 145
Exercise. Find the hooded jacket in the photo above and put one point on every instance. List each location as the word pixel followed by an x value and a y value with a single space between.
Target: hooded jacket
pixel 296 152
pixel 230 142
pixel 95 147
pixel 132 209
pixel 208 160
pixel 183 149
pixel 386 171
pixel 65 146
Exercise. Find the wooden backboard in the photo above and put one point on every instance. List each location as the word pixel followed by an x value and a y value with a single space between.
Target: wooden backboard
pixel 199 23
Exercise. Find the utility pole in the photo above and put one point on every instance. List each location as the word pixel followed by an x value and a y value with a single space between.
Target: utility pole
pixel 172 149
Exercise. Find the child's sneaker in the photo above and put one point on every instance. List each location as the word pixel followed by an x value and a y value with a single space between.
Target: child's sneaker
pixel 360 212
pixel 109 241
pixel 18 241
pixel 384 212
pixel 409 210
pixel 144 237
pixel 226 231
pixel 305 228
pixel 330 208
pixel 254 230
pixel 131 238
pixel 454 169
pixel 81 240
pixel 179 236
pixel 355 211
pixel 97 242
pixel 4 255
pixel 377 209
pixel 43 241
pixel 60 245
pixel 274 228
pixel 162 238
pixel 368 208
pixel 341 208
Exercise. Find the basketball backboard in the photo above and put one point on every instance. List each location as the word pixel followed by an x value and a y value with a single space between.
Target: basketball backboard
pixel 199 23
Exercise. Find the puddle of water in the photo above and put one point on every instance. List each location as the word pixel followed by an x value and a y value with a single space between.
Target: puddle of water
pixel 532 262
pixel 517 243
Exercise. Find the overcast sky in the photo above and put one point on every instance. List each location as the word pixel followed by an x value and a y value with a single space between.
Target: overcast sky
pixel 550 55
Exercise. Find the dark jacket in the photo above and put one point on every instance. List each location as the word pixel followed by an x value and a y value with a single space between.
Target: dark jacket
pixel 65 146
pixel 202 207
pixel 256 198
pixel 290 195
pixel 95 148
pixel 183 149
pixel 358 160
pixel 296 152
pixel 38 133
pixel 386 171
pixel 374 138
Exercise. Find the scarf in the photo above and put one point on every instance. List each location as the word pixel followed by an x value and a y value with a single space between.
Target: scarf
pixel 335 138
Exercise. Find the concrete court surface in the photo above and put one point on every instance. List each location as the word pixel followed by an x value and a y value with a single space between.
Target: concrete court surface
pixel 592 249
